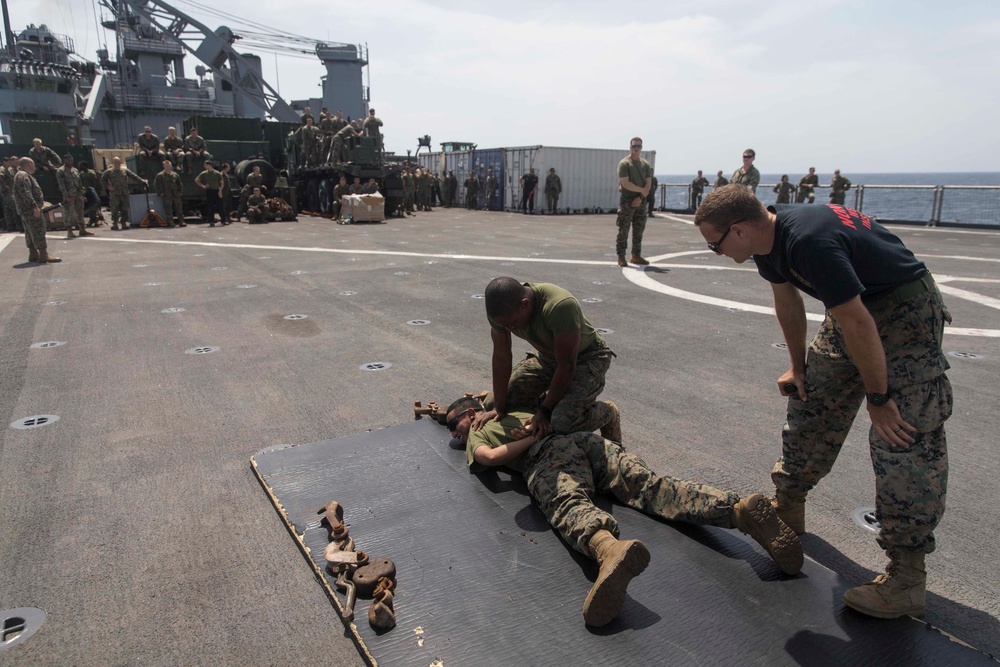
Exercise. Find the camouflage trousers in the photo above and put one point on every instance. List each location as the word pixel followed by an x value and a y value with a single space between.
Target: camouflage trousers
pixel 564 472
pixel 910 482
pixel 119 208
pixel 630 217
pixel 74 213
pixel 10 217
pixel 34 231
pixel 174 208
pixel 552 199
pixel 578 410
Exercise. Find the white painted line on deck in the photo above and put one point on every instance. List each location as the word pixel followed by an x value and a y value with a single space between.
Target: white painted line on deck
pixel 637 276
pixel 6 239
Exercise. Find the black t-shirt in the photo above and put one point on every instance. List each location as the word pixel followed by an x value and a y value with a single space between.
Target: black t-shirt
pixel 530 181
pixel 834 253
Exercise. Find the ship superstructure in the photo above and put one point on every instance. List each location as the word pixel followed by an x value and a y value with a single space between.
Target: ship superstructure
pixel 140 77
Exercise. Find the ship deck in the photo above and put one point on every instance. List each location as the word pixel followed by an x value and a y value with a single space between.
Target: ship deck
pixel 136 523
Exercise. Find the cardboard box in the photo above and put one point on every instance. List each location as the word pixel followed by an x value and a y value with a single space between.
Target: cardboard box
pixel 363 208
pixel 55 219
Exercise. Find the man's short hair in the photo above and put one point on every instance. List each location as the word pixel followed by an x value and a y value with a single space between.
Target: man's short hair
pixel 24 162
pixel 752 152
pixel 503 294
pixel 728 204
pixel 84 164
pixel 463 404
pixel 634 139
pixel 67 156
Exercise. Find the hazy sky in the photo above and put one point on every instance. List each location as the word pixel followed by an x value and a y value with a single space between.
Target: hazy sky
pixel 863 86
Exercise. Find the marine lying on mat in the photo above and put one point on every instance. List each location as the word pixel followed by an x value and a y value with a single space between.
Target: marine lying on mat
pixel 564 471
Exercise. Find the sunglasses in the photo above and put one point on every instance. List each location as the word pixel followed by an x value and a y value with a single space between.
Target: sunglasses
pixel 717 246
pixel 748 157
pixel 636 145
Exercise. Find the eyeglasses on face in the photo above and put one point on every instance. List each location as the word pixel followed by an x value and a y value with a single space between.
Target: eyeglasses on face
pixel 636 146
pixel 748 157
pixel 716 247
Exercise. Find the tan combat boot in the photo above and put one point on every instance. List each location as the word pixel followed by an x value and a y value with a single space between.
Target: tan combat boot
pixel 754 516
pixel 639 261
pixel 613 429
pixel 898 592
pixel 32 255
pixel 69 234
pixel 84 232
pixel 45 258
pixel 620 562
pixel 791 508
pixel 621 260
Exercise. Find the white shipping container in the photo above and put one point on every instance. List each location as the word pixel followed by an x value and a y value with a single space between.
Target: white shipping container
pixel 589 175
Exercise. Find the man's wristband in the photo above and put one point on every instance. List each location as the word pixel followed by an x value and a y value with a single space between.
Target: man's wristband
pixel 877 399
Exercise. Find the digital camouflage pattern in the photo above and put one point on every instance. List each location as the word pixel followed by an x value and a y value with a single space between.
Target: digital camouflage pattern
pixel 44 157
pixel 564 473
pixel 634 217
pixel 910 483
pixel 116 182
pixel 71 187
pixel 27 196
pixel 168 185
pixel 12 220
pixel 577 411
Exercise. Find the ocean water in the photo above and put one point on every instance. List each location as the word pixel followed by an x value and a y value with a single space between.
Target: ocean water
pixel 916 203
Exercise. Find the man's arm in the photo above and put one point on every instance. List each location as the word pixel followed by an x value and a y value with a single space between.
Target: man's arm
pixel 865 347
pixel 502 358
pixel 504 454
pixel 630 186
pixel 791 313
pixel 567 346
pixel 197 181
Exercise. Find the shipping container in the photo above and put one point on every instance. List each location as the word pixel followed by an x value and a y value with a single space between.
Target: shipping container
pixel 589 175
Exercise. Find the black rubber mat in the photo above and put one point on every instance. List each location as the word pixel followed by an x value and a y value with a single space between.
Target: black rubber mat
pixel 483 580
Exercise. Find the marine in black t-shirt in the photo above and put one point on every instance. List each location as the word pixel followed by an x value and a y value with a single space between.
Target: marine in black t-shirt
pixel 835 253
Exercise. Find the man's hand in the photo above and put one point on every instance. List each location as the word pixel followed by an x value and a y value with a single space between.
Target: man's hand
pixel 482 418
pixel 637 202
pixel 890 425
pixel 540 423
pixel 790 377
pixel 36 212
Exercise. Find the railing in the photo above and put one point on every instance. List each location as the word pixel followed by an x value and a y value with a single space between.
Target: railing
pixel 929 204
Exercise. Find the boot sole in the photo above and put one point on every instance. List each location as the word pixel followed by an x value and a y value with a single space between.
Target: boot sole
pixel 614 430
pixel 770 532
pixel 607 595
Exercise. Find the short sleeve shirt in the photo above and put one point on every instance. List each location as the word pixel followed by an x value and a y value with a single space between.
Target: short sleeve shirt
pixel 494 434
pixel 637 172
pixel 834 254
pixel 211 179
pixel 557 312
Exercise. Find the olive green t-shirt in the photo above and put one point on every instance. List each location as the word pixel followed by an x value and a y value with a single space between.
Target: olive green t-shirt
pixel 636 171
pixel 211 179
pixel 556 312
pixel 495 433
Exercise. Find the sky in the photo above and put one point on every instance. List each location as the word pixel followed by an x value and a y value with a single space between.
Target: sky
pixel 863 86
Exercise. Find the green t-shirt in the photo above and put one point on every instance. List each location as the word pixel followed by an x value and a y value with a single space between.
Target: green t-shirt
pixel 494 434
pixel 557 312
pixel 636 171
pixel 211 179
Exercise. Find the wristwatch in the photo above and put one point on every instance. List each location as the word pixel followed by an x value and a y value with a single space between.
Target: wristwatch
pixel 877 399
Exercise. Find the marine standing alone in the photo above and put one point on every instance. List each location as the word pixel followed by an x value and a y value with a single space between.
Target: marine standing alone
pixel 635 179
pixel 553 188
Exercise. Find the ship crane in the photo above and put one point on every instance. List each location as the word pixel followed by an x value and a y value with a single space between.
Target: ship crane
pixel 214 48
